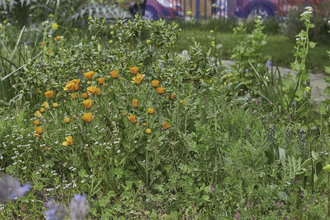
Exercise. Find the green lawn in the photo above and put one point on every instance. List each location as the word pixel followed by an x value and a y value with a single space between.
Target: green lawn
pixel 279 47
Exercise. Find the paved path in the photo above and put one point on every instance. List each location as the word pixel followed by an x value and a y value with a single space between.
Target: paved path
pixel 318 84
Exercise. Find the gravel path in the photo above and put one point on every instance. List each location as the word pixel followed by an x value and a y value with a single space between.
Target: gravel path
pixel 318 84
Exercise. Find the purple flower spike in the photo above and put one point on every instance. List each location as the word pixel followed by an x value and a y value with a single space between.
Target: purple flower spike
pixel 212 188
pixel 79 207
pixel 247 71
pixel 55 211
pixel 268 63
pixel 11 187
pixel 237 215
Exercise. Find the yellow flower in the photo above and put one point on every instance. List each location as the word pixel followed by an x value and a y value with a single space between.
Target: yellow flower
pixel 69 86
pixel 160 90
pixel 55 105
pixel 69 141
pixel 42 110
pixel 98 91
pixel 88 117
pixel 36 135
pixel 134 70
pixel 88 103
pixel 137 79
pixel 166 125
pixel 181 101
pixel 148 131
pixel 74 95
pixel 55 26
pixel 170 96
pixel 110 90
pixel 76 87
pixel 114 74
pixel 57 38
pixel 155 83
pixel 189 13
pixel 49 94
pixel 132 118
pixel 151 111
pixel 89 75
pixel 135 103
pixel 74 116
pixel 39 130
pixel 84 95
pixel 307 89
pixel 124 113
pixel 36 122
pixel 101 81
pixel 89 82
pixel 38 114
pixel 46 104
pixel 67 120
pixel 92 89
pixel 144 124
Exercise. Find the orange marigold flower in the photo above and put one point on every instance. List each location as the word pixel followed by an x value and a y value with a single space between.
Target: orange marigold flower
pixel 69 141
pixel 38 114
pixel 92 89
pixel 55 105
pixel 84 95
pixel 137 79
pixel 89 75
pixel 46 104
pixel 124 113
pixel 135 103
pixel 67 120
pixel 74 95
pixel 151 111
pixel 36 122
pixel 88 117
pixel 110 90
pixel 101 81
pixel 42 110
pixel 144 124
pixel 155 83
pixel 160 90
pixel 39 130
pixel 49 94
pixel 74 116
pixel 88 103
pixel 57 38
pixel 114 74
pixel 132 118
pixel 166 125
pixel 69 86
pixel 148 131
pixel 98 91
pixel 76 87
pixel 170 96
pixel 134 69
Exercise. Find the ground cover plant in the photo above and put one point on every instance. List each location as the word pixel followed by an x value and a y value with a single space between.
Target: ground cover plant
pixel 118 127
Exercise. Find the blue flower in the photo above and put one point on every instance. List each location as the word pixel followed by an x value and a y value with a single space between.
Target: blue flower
pixel 79 207
pixel 268 63
pixel 27 43
pixel 12 188
pixel 56 211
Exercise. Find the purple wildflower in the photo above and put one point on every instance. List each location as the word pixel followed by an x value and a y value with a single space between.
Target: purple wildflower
pixel 247 70
pixel 268 63
pixel 278 203
pixel 27 43
pixel 55 211
pixel 79 207
pixel 212 188
pixel 313 199
pixel 248 205
pixel 297 180
pixel 11 187
pixel 304 208
pixel 237 215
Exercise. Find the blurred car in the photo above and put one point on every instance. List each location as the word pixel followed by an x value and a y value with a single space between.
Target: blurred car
pixel 155 9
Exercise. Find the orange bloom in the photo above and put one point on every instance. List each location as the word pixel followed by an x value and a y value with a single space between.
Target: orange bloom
pixel 160 90
pixel 89 75
pixel 137 79
pixel 36 135
pixel 124 113
pixel 67 120
pixel 57 38
pixel 76 87
pixel 42 43
pixel 69 141
pixel 36 122
pixel 46 104
pixel 110 90
pixel 132 118
pixel 39 130
pixel 92 89
pixel 148 131
pixel 155 83
pixel 69 86
pixel 38 114
pixel 134 70
pixel 85 95
pixel 114 74
pixel 170 96
pixel 135 103
pixel 88 103
pixel 166 125
pixel 151 111
pixel 55 105
pixel 49 94
pixel 101 81
pixel 74 95
pixel 42 110
pixel 74 116
pixel 89 82
pixel 144 124
pixel 88 117
pixel 76 81
pixel 98 91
